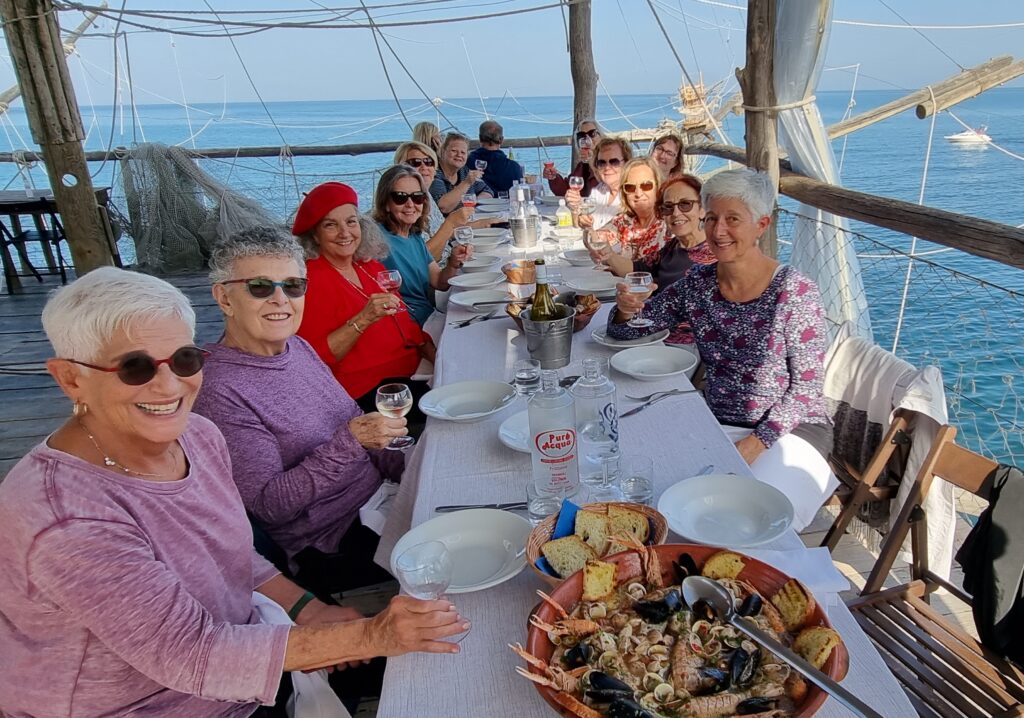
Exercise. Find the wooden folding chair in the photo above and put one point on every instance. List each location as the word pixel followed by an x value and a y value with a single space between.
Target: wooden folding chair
pixel 945 672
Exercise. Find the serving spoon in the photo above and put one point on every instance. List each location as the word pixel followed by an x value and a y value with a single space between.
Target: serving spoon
pixel 701 588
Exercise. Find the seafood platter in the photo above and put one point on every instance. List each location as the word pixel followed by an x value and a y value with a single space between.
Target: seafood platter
pixel 616 640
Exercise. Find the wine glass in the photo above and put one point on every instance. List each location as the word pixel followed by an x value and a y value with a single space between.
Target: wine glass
pixel 480 165
pixel 425 572
pixel 469 200
pixel 463 235
pixel 390 280
pixel 597 241
pixel 395 401
pixel 576 182
pixel 585 142
pixel 638 283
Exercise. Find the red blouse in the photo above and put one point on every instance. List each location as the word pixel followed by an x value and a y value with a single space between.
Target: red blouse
pixel 331 300
pixel 643 243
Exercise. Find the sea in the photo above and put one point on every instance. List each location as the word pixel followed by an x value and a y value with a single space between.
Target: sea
pixel 959 312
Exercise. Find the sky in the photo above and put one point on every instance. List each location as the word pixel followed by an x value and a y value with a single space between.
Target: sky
pixel 524 55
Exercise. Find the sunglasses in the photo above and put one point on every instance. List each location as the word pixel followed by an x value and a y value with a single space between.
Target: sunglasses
pixel 261 288
pixel 420 162
pixel 613 162
pixel 138 368
pixel 588 133
pixel 646 186
pixel 417 198
pixel 683 205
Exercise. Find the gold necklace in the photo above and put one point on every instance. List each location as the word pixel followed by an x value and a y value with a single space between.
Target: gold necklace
pixel 108 462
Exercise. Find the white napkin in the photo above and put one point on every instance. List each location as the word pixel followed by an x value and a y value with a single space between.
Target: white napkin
pixel 813 567
pixel 375 511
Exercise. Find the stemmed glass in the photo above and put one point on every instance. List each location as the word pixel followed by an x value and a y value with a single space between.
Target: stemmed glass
pixel 607 489
pixel 390 280
pixel 463 235
pixel 638 283
pixel 425 572
pixel 597 241
pixel 480 165
pixel 576 182
pixel 585 143
pixel 395 401
pixel 469 200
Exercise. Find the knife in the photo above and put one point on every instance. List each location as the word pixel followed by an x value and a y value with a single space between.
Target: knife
pixel 511 506
pixel 646 404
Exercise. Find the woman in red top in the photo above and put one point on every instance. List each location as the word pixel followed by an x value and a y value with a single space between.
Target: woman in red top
pixel 363 333
pixel 637 229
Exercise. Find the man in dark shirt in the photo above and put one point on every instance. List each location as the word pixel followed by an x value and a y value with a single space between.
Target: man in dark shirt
pixel 501 172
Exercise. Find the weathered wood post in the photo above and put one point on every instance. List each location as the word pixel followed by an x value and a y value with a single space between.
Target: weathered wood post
pixel 758 85
pixel 581 64
pixel 37 53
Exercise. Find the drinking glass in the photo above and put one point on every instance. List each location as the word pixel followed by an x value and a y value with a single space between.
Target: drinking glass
pixel 576 182
pixel 390 280
pixel 526 376
pixel 637 479
pixel 469 200
pixel 585 143
pixel 480 165
pixel 608 488
pixel 503 194
pixel 638 283
pixel 598 242
pixel 463 235
pixel 541 504
pixel 425 572
pixel 395 401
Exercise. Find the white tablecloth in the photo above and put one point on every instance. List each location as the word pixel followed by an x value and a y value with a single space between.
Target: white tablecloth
pixel 466 463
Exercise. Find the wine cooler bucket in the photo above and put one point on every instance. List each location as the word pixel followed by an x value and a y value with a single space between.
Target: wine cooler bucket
pixel 550 342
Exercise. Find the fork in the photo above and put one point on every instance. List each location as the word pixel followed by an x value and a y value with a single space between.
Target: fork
pixel 667 392
pixel 638 409
pixel 476 318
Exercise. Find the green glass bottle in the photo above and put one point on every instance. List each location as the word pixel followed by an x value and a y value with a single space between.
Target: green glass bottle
pixel 543 307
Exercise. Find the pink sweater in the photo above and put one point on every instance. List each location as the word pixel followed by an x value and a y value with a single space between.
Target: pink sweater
pixel 122 595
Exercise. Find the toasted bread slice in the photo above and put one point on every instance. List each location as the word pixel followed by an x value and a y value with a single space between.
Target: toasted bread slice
pixel 627 522
pixel 795 603
pixel 593 527
pixel 567 555
pixel 815 644
pixel 598 579
pixel 724 564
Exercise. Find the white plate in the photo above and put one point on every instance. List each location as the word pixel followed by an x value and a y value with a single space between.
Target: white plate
pixel 597 283
pixel 548 199
pixel 491 208
pixel 467 401
pixel 477 280
pixel 726 510
pixel 651 363
pixel 480 263
pixel 600 335
pixel 514 432
pixel 483 232
pixel 577 257
pixel 466 300
pixel 492 201
pixel 488 244
pixel 487 546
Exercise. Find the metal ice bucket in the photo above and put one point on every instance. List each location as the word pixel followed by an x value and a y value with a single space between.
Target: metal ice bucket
pixel 550 342
pixel 524 232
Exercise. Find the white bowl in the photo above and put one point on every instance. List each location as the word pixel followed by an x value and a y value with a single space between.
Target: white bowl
pixel 470 300
pixel 600 335
pixel 577 257
pixel 491 200
pixel 652 363
pixel 514 432
pixel 480 263
pixel 484 232
pixel 477 280
pixel 599 283
pixel 467 401
pixel 488 244
pixel 726 510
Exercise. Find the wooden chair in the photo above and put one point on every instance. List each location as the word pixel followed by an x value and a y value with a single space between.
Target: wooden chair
pixel 944 672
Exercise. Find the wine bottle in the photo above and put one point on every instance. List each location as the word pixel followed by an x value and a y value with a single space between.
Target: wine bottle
pixel 543 308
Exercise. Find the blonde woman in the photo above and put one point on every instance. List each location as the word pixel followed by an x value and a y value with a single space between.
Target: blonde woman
pixel 638 229
pixel 427 133
pixel 610 156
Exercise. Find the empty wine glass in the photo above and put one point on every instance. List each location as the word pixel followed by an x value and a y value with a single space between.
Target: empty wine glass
pixel 463 235
pixel 390 280
pixel 480 165
pixel 425 572
pixel 638 283
pixel 395 401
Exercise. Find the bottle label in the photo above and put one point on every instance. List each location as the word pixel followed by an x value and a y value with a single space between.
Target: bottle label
pixel 610 421
pixel 556 447
pixel 541 274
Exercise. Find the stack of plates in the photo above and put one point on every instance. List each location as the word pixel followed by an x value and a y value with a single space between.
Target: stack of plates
pixel 600 283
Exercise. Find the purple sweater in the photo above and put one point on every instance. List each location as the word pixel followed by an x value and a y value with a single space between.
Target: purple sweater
pixel 764 358
pixel 122 595
pixel 299 469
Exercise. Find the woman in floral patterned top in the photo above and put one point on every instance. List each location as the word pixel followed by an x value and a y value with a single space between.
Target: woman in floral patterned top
pixel 759 327
pixel 638 230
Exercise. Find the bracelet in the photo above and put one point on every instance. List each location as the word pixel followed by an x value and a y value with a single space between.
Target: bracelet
pixel 352 323
pixel 294 611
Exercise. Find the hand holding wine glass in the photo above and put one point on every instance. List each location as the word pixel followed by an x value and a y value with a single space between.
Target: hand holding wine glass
pixel 599 244
pixel 390 280
pixel 395 400
pixel 425 572
pixel 639 283
pixel 576 182
pixel 480 165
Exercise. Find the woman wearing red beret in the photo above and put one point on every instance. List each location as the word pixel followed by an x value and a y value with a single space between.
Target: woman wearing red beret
pixel 363 333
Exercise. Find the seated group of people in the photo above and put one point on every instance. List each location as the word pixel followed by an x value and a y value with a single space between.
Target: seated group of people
pixel 129 544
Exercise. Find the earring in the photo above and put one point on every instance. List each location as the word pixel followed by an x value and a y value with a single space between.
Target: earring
pixel 79 410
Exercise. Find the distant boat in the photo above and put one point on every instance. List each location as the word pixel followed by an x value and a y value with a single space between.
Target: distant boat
pixel 976 136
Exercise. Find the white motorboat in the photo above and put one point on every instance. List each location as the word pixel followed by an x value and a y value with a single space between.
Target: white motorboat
pixel 976 136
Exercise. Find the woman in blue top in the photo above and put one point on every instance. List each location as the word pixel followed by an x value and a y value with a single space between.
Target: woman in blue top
pixel 399 207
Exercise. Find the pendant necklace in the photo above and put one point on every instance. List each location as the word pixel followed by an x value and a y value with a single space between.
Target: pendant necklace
pixel 110 463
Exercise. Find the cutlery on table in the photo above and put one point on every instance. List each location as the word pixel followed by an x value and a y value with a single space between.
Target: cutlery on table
pixel 638 409
pixel 501 302
pixel 473 320
pixel 672 392
pixel 511 506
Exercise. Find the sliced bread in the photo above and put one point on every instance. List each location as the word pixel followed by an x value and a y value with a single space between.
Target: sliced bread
pixel 815 644
pixel 567 555
pixel 598 579
pixel 795 603
pixel 626 522
pixel 593 527
pixel 724 564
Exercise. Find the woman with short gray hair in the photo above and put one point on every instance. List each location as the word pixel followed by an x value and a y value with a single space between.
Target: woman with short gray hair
pixel 126 551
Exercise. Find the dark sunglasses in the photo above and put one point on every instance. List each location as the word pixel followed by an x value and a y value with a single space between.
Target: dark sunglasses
pixel 260 288
pixel 417 198
pixel 683 205
pixel 589 133
pixel 613 162
pixel 138 368
pixel 646 186
pixel 420 162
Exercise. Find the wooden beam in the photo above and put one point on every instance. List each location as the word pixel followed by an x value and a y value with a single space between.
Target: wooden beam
pixel 581 65
pixel 971 87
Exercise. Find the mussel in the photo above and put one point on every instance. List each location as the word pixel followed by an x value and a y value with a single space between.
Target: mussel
pixel 742 666
pixel 684 566
pixel 578 655
pixel 751 605
pixel 628 708
pixel 712 680
pixel 702 611
pixel 752 706
pixel 659 610
pixel 605 688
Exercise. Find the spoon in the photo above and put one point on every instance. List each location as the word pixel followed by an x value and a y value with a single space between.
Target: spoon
pixel 701 588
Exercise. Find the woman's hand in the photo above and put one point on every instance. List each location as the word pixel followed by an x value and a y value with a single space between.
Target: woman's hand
pixel 408 624
pixel 382 304
pixel 473 177
pixel 375 431
pixel 461 216
pixel 600 256
pixel 586 221
pixel 573 197
pixel 629 303
pixel 550 172
pixel 750 448
pixel 460 255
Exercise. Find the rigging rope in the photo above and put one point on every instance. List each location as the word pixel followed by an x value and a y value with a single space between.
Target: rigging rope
pixel 117 89
pixel 384 65
pixel 472 72
pixel 993 144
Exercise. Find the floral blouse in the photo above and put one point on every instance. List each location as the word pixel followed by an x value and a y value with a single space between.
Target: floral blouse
pixel 644 243
pixel 764 359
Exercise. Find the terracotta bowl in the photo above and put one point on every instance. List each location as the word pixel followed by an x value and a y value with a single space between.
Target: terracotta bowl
pixel 763 577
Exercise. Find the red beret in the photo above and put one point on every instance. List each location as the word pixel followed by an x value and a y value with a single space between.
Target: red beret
pixel 319 201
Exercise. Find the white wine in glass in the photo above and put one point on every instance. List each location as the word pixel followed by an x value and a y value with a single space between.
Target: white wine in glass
pixel 395 401
pixel 425 572
pixel 639 283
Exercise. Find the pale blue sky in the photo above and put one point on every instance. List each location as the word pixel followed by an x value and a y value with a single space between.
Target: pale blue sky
pixel 525 54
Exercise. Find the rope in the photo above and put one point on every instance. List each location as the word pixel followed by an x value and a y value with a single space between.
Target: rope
pixel 472 73
pixel 779 108
pixel 117 90
pixel 993 144
pixel 384 65
pixel 184 98
pixel 846 115
pixel 136 120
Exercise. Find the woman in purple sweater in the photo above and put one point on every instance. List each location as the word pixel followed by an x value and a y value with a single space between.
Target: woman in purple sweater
pixel 305 456
pixel 759 326
pixel 126 554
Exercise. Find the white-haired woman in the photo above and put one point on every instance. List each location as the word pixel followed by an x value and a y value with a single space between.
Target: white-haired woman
pixel 126 553
pixel 455 179
pixel 760 329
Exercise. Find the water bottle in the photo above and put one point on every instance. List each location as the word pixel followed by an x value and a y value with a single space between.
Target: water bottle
pixel 553 446
pixel 597 421
pixel 533 221
pixel 563 214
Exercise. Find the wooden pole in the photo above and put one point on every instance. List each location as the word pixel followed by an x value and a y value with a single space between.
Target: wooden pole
pixel 969 88
pixel 758 87
pixel 37 54
pixel 581 64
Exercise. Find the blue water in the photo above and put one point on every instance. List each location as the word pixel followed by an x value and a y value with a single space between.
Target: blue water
pixel 971 330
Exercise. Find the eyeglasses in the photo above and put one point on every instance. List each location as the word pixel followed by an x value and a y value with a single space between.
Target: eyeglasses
pixel 138 368
pixel 683 205
pixel 592 134
pixel 417 198
pixel 646 186
pixel 420 162
pixel 262 288
pixel 613 162
pixel 661 149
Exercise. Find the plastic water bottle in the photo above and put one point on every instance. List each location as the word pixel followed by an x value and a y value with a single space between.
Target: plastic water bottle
pixel 553 445
pixel 597 421
pixel 563 214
